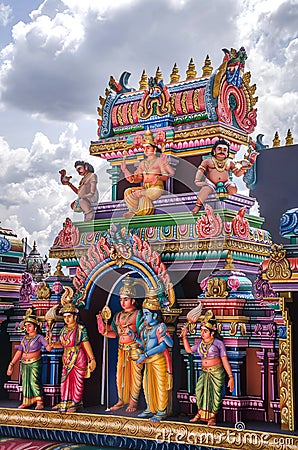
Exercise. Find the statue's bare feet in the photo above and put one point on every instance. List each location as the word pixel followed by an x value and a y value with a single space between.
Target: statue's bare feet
pixel 129 214
pixel 211 423
pixel 197 208
pixel 72 409
pixel 56 407
pixel 132 407
pixel 89 216
pixel 118 405
pixel 22 406
pixel 39 405
pixel 196 418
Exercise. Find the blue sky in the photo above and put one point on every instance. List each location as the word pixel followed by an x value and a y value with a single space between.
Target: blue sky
pixel 56 58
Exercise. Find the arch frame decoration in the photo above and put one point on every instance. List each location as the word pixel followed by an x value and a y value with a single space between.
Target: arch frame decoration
pixel 127 251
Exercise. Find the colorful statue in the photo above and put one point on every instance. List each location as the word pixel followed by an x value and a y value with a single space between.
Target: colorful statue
pixel 215 365
pixel 217 173
pixel 78 359
pixel 87 191
pixel 154 341
pixel 152 171
pixel 29 351
pixel 129 373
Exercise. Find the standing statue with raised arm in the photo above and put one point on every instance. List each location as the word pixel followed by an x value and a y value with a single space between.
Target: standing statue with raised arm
pixel 87 191
pixel 213 174
pixel 215 366
pixel 78 359
pixel 152 171
pixel 29 351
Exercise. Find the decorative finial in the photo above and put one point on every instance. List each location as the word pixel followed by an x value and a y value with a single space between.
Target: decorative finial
pixel 34 245
pixel 144 81
pixel 191 71
pixel 175 76
pixel 158 75
pixel 207 68
pixel 229 262
pixel 276 140
pixel 58 272
pixel 289 138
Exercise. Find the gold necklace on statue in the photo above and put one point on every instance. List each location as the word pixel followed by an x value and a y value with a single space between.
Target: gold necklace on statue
pixel 148 165
pixel 221 166
pixel 205 347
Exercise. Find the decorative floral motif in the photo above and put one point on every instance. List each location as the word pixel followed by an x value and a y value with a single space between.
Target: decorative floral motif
pixel 57 287
pixel 183 229
pixel 155 101
pixel 27 288
pixel 240 224
pixel 289 222
pixel 209 225
pixel 5 245
pixel 43 291
pixel 216 288
pixel 233 283
pixel 278 265
pixel 204 283
pixel 262 288
pixel 151 232
pixel 69 236
pixel 227 226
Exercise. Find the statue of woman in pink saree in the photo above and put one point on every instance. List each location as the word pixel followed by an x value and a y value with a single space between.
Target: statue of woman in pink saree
pixel 78 360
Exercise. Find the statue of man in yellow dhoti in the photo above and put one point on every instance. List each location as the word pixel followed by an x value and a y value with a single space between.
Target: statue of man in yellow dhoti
pixel 152 171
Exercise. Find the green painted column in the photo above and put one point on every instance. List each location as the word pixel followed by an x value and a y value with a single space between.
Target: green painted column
pixel 114 171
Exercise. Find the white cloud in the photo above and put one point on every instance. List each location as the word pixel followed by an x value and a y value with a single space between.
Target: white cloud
pixel 60 62
pixel 5 14
pixel 269 32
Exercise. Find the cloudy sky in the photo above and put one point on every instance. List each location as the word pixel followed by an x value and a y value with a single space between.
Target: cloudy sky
pixel 56 59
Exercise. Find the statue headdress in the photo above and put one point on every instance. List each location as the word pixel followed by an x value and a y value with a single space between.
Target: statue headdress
pixel 128 289
pixel 151 301
pixel 66 300
pixel 29 317
pixel 148 139
pixel 209 321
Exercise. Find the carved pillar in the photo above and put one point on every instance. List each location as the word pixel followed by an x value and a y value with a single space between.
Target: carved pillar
pixel 114 171
pixel 264 378
pixel 273 391
pixel 236 359
pixel 287 411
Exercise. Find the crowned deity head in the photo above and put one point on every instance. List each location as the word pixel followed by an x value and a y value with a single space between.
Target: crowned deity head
pixel 30 317
pixel 209 321
pixel 128 288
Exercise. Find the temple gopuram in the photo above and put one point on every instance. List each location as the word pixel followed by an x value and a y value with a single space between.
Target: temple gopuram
pixel 219 256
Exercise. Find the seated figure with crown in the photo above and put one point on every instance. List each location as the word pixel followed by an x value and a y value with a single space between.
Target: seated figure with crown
pixel 152 171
